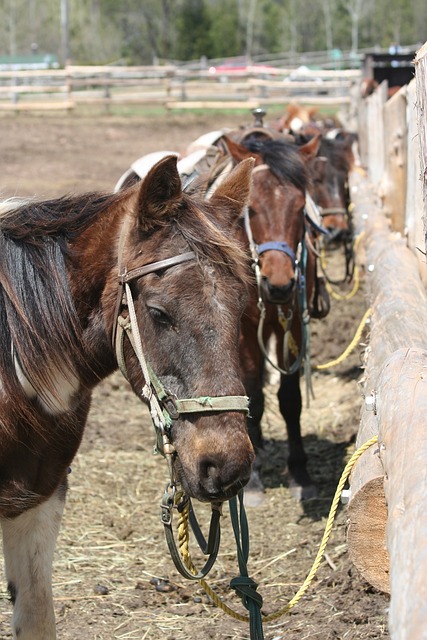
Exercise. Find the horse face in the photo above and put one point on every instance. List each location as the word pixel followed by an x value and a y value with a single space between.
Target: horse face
pixel 276 215
pixel 329 194
pixel 188 316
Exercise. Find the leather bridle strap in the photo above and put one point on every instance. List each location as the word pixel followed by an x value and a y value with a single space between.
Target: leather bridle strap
pixel 127 276
pixel 164 406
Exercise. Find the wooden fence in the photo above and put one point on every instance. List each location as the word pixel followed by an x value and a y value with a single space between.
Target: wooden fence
pixel 387 510
pixel 171 87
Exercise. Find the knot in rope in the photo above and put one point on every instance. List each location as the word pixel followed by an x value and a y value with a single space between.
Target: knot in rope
pixel 246 588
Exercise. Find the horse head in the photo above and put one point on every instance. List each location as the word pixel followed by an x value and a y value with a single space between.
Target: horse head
pixel 275 223
pixel 185 284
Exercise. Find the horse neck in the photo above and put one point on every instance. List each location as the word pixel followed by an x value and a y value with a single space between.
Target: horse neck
pixel 93 279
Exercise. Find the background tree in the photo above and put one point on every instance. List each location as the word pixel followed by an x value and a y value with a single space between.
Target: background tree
pixel 143 31
pixel 193 28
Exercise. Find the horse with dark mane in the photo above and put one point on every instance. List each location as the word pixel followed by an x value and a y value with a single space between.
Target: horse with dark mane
pixel 330 191
pixel 146 278
pixel 329 172
pixel 279 236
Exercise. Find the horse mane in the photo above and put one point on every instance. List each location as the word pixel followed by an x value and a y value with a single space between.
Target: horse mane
pixel 39 324
pixel 282 157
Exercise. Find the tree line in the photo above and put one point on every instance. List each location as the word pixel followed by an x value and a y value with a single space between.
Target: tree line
pixel 151 31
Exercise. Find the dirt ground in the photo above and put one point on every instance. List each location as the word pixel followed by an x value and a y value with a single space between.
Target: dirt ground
pixel 113 578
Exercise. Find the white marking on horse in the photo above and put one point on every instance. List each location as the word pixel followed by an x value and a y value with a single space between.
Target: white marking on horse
pixel 59 399
pixel 29 543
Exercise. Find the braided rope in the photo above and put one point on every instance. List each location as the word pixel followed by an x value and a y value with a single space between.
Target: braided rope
pixel 183 523
pixel 350 347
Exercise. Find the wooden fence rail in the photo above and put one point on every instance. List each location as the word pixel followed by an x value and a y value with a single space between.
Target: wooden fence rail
pixel 172 87
pixel 388 503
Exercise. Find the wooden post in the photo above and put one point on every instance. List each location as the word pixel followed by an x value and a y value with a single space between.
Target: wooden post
pixel 371 132
pixel 399 312
pixel 414 226
pixel 401 408
pixel 421 82
pixel 393 182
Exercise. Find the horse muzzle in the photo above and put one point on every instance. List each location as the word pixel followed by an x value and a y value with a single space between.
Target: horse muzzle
pixel 213 464
pixel 278 294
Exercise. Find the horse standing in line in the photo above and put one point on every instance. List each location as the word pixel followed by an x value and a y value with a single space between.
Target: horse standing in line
pixel 330 171
pixel 147 278
pixel 276 228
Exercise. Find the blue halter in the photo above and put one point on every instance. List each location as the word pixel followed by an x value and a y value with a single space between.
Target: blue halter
pixel 277 246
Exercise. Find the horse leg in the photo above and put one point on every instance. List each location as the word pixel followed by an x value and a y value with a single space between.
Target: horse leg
pixel 28 544
pixel 290 402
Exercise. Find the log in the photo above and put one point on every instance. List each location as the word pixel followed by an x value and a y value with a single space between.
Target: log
pixel 399 311
pixel 371 132
pixel 402 413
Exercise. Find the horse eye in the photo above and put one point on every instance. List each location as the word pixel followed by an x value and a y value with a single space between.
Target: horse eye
pixel 160 316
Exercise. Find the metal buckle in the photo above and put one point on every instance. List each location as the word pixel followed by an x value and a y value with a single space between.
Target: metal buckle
pixel 169 403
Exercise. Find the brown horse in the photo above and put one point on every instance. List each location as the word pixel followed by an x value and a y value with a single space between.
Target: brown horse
pixel 276 229
pixel 329 172
pixel 146 278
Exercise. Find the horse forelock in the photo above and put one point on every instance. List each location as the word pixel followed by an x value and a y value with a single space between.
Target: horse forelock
pixel 337 154
pixel 203 228
pixel 283 159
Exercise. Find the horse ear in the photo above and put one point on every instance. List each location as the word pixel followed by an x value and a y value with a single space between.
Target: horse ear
pixel 238 151
pixel 310 149
pixel 160 193
pixel 236 188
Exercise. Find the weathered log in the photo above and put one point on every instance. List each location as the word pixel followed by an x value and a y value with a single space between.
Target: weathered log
pixel 399 311
pixel 371 132
pixel 401 407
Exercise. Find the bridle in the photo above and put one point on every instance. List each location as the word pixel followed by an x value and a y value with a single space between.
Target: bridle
pixel 164 406
pixel 298 259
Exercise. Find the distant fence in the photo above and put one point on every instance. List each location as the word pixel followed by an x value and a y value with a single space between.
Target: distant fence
pixel 172 87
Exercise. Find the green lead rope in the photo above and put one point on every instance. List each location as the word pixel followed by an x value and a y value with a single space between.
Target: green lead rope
pixel 244 586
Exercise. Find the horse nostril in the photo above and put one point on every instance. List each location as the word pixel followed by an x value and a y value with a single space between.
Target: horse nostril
pixel 222 479
pixel 210 474
pixel 280 293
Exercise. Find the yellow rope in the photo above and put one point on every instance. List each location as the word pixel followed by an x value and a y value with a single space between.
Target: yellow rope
pixel 350 347
pixel 301 591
